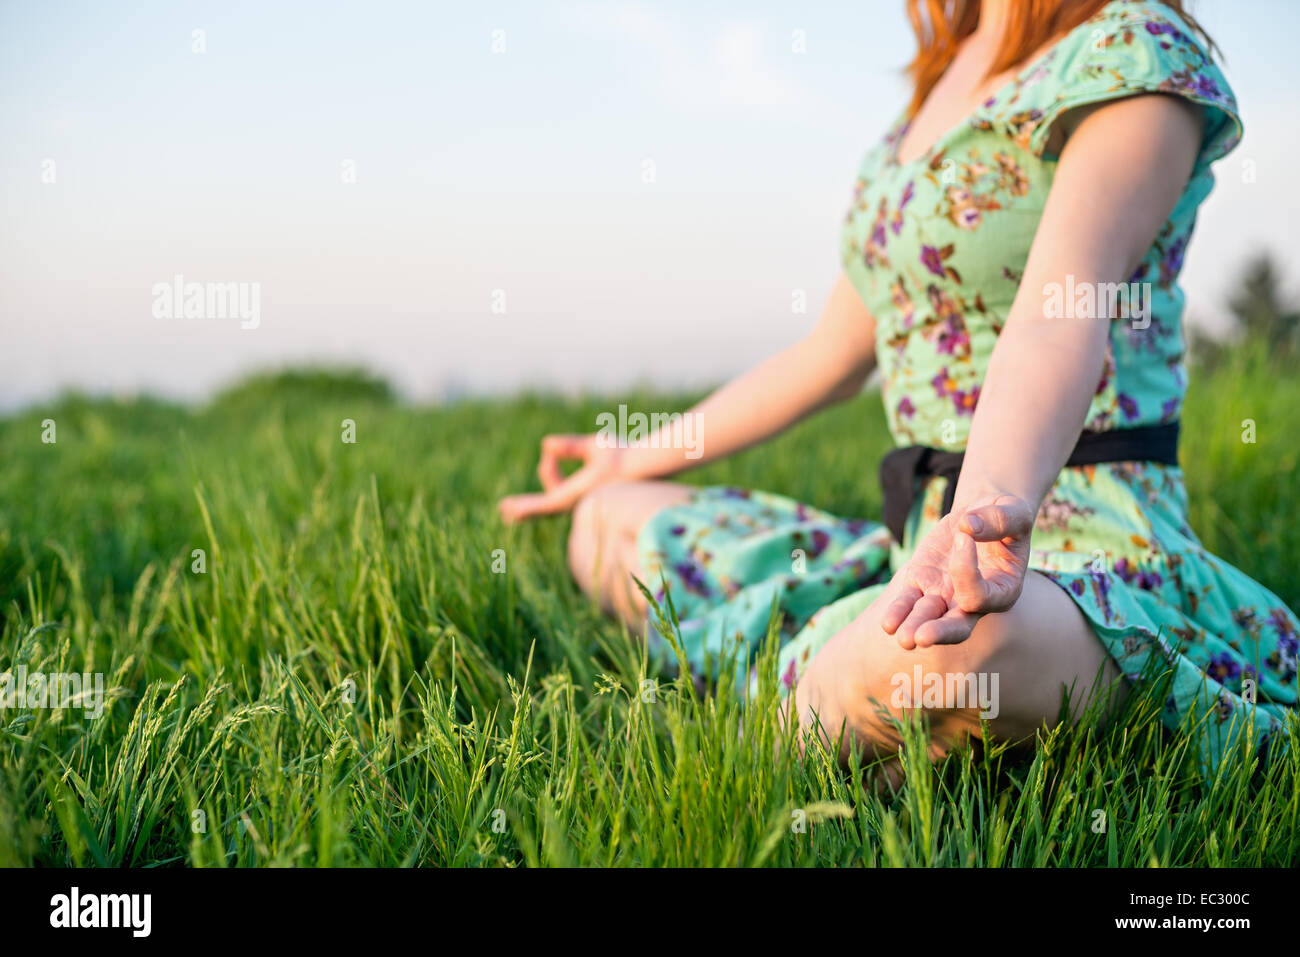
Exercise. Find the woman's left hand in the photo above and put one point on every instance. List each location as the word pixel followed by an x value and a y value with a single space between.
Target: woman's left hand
pixel 971 563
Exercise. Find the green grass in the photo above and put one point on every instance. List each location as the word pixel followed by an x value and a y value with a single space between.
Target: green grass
pixel 349 683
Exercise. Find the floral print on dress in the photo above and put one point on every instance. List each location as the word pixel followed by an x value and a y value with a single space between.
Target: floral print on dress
pixel 936 248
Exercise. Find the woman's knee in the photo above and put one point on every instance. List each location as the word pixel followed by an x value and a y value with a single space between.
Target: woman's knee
pixel 875 687
pixel 585 533
pixel 1013 672
pixel 604 526
pixel 608 519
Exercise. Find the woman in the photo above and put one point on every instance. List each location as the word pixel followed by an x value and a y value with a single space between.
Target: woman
pixel 1053 150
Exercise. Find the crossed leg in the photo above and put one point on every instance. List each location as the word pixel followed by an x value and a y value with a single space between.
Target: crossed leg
pixel 602 542
pixel 1033 658
pixel 1037 653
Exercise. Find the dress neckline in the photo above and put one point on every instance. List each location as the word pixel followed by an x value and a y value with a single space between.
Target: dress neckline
pixel 901 125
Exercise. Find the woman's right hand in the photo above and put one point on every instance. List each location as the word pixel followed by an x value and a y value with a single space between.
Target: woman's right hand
pixel 600 464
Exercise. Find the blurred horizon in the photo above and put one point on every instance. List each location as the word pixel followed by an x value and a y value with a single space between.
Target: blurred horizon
pixel 559 197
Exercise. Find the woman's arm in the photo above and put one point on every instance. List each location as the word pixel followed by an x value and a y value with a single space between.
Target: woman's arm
pixel 1120 175
pixel 828 365
pixel 1122 170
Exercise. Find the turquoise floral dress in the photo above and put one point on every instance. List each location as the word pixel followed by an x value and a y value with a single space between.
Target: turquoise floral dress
pixel 935 247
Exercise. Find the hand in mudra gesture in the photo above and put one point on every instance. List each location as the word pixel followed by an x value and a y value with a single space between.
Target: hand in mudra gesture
pixel 600 464
pixel 971 563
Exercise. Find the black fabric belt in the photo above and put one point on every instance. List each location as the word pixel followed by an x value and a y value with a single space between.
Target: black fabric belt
pixel 903 471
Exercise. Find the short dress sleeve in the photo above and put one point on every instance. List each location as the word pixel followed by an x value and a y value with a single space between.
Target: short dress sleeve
pixel 1133 47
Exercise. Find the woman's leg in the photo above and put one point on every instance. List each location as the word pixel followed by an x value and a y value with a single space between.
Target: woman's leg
pixel 1028 657
pixel 602 542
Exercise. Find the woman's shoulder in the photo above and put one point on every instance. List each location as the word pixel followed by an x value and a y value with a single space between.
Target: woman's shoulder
pixel 1140 11
pixel 1144 25
pixel 1130 47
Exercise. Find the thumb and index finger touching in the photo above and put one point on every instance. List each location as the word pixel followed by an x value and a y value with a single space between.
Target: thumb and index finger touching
pixel 559 492
pixel 557 449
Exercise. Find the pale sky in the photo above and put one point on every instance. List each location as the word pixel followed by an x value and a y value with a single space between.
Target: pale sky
pixel 494 147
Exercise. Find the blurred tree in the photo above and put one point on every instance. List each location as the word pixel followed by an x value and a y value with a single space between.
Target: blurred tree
pixel 1262 318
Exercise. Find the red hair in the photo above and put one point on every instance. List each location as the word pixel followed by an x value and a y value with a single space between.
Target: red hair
pixel 941 25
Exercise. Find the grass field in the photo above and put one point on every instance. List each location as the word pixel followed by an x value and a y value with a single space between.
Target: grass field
pixel 348 681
